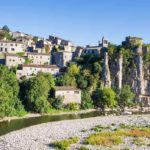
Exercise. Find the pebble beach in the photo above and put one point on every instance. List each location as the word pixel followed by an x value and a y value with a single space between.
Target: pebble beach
pixel 39 137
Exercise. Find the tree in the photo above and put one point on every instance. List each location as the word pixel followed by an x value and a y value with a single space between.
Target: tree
pixel 47 49
pixel 86 101
pixel 105 97
pixel 37 88
pixel 126 96
pixel 9 89
pixel 35 39
pixel 5 28
pixel 73 70
pixel 36 91
pixel 57 102
pixel 66 80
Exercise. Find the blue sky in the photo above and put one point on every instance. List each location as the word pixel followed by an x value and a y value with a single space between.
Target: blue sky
pixel 81 21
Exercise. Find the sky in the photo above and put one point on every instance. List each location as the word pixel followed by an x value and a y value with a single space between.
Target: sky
pixel 84 22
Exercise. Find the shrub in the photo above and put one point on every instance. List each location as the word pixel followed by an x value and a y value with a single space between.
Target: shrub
pixel 58 102
pixel 87 101
pixel 73 106
pixel 64 144
pixel 83 148
pixel 104 139
pixel 105 97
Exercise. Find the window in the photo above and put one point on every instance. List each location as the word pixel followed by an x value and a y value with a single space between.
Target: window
pixel 11 44
pixel 9 59
pixel 16 45
pixel 5 49
pixel 1 49
pixel 13 60
pixel 76 92
pixel 12 49
pixel 2 44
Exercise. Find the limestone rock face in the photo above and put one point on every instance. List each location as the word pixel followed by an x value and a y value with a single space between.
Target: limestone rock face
pixel 106 71
pixel 119 71
pixel 139 67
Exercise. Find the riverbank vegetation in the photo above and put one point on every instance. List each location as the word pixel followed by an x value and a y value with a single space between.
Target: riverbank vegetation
pixel 65 144
pixel 37 94
pixel 109 137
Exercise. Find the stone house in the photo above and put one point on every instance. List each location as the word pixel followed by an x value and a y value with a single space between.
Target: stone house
pixel 25 40
pixel 55 40
pixel 39 58
pixel 31 70
pixel 13 60
pixel 62 58
pixel 132 41
pixel 20 34
pixel 12 47
pixel 78 51
pixel 95 50
pixel 40 46
pixel 70 94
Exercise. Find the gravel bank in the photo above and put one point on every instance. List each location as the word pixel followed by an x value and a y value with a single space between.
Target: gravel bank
pixel 40 136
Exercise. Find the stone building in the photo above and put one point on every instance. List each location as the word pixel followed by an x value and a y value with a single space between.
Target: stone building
pixel 55 40
pixel 62 58
pixel 39 58
pixel 13 60
pixel 78 51
pixel 129 41
pixel 96 50
pixel 32 70
pixel 25 40
pixel 12 47
pixel 70 94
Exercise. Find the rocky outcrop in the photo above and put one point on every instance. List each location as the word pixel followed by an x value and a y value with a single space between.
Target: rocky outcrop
pixel 139 68
pixel 119 71
pixel 106 71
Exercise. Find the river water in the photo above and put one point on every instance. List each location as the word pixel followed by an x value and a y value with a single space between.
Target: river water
pixel 6 126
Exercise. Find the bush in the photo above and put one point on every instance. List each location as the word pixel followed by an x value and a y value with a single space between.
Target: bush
pixel 86 102
pixel 104 139
pixel 73 106
pixel 57 103
pixel 105 97
pixel 64 144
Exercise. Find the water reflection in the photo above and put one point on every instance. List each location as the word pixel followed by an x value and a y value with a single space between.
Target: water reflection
pixel 6 127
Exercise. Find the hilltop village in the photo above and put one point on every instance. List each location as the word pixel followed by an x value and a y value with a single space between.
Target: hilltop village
pixel 112 66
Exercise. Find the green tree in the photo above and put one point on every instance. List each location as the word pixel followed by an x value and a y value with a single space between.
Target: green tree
pixel 57 102
pixel 35 39
pixel 9 90
pixel 6 28
pixel 47 49
pixel 86 101
pixel 36 91
pixel 105 97
pixel 73 70
pixel 126 96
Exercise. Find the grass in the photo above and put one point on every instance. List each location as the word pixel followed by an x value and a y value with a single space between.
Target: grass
pixel 99 128
pixel 64 144
pixel 20 54
pixel 83 148
pixel 138 141
pixel 105 139
pixel 110 138
pixel 84 130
